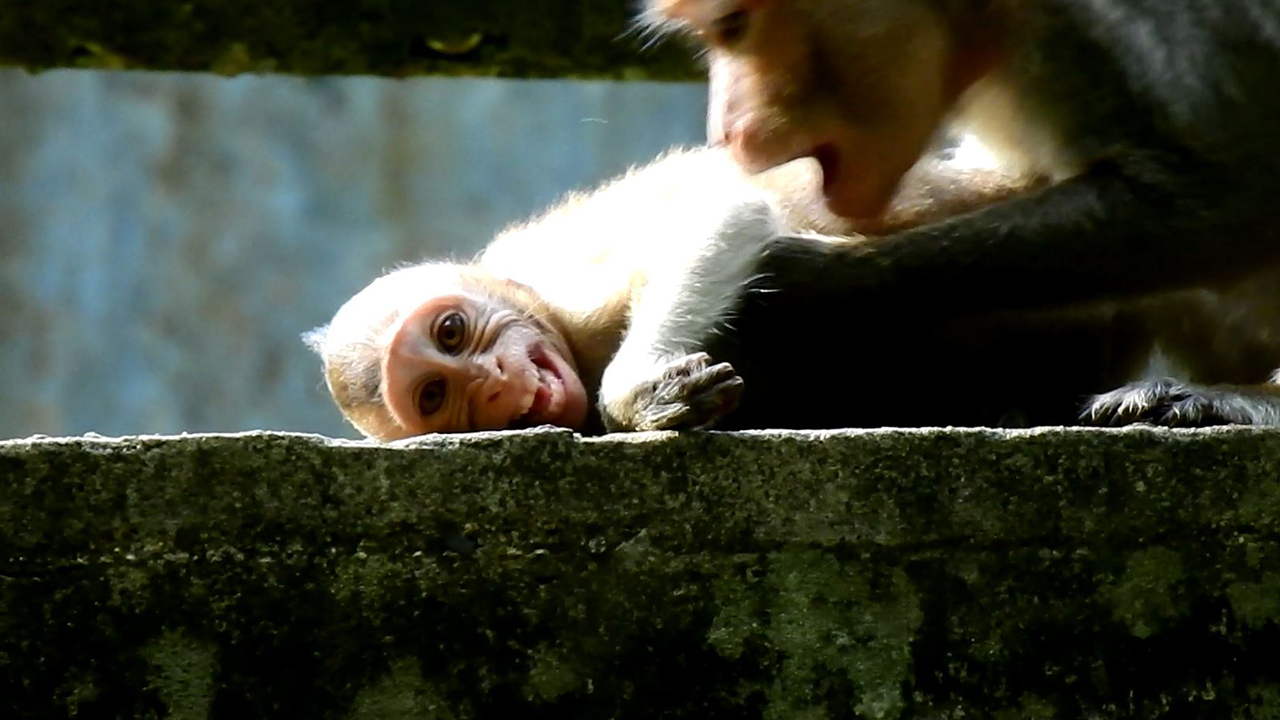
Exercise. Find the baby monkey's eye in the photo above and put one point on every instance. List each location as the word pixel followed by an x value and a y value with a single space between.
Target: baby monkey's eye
pixel 730 28
pixel 431 397
pixel 451 332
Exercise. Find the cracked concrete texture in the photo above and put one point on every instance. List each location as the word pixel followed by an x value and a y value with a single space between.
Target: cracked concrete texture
pixel 870 574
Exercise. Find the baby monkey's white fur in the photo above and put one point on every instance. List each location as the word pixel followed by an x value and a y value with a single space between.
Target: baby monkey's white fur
pixel 684 255
pixel 638 273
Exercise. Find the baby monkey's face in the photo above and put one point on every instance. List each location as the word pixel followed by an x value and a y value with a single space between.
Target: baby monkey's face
pixel 437 348
pixel 458 363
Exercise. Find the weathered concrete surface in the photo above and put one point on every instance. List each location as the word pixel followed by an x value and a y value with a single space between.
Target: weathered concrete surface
pixel 878 574
pixel 515 38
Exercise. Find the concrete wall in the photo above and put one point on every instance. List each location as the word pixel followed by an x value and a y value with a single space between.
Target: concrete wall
pixel 164 239
pixel 851 575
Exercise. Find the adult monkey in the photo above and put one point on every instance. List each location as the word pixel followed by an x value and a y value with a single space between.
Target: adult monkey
pixel 1156 120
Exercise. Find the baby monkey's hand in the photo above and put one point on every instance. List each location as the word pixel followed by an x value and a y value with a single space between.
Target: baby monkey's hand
pixel 688 393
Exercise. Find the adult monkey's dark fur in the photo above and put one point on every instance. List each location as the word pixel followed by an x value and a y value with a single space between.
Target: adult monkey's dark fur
pixel 1158 120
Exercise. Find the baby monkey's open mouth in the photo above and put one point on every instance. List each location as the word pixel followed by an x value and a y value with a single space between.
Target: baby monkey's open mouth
pixel 545 404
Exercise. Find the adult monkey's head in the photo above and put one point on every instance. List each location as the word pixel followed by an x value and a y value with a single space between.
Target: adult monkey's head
pixel 860 85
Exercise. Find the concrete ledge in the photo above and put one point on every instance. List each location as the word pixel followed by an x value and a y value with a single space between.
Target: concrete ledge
pixel 881 574
pixel 516 38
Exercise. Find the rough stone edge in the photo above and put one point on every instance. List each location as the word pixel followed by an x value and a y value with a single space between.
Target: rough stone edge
pixel 873 487
pixel 447 441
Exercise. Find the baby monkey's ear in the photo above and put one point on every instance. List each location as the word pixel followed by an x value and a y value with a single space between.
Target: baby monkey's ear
pixel 315 339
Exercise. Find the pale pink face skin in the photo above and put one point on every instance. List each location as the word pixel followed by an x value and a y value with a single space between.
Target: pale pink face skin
pixel 458 364
pixel 859 85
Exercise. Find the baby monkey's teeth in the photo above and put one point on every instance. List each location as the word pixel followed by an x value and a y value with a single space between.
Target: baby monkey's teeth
pixel 556 388
pixel 531 393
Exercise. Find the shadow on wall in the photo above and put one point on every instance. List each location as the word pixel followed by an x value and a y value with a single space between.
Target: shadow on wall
pixel 165 239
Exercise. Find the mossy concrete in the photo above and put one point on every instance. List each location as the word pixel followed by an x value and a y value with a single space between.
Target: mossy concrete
pixel 1050 573
pixel 514 38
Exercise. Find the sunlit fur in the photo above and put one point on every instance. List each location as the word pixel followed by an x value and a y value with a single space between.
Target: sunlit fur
pixel 642 269
pixel 633 274
pixel 655 256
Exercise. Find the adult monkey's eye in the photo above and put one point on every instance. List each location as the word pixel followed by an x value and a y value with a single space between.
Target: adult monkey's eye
pixel 451 332
pixel 730 28
pixel 431 397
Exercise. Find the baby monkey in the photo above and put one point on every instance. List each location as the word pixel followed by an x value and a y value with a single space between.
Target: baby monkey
pixel 597 313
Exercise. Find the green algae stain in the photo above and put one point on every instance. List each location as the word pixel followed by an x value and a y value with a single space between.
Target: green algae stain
pixel 1032 707
pixel 551 675
pixel 1264 701
pixel 830 623
pixel 1260 505
pixel 129 584
pixel 365 580
pixel 1256 604
pixel 1145 598
pixel 739 619
pixel 182 673
pixel 402 694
